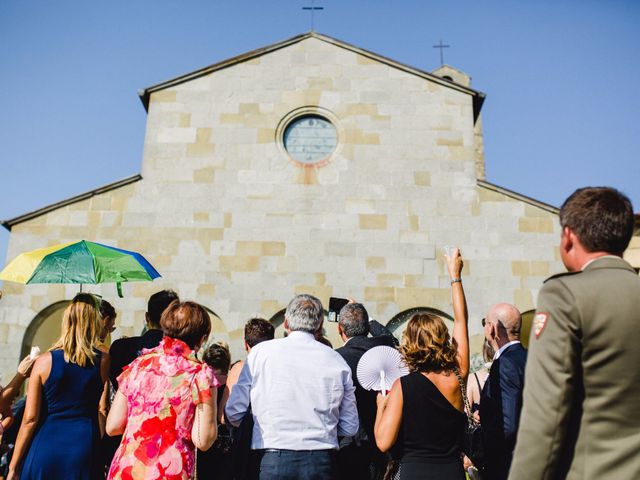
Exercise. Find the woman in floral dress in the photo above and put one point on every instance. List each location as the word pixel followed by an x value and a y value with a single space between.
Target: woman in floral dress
pixel 165 406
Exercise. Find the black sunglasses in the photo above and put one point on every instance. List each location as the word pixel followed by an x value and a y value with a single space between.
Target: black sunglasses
pixel 484 321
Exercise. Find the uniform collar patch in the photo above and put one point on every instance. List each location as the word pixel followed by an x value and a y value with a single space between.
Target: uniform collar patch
pixel 539 321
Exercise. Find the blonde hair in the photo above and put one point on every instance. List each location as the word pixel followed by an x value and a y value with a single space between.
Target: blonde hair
pixel 80 330
pixel 427 346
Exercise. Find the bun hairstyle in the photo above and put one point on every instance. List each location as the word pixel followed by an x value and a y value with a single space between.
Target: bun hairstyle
pixel 427 345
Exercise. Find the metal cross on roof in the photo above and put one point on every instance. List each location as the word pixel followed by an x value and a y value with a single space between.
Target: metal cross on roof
pixel 313 9
pixel 441 46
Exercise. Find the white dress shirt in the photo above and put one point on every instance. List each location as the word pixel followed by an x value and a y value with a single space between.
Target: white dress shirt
pixel 301 395
pixel 503 348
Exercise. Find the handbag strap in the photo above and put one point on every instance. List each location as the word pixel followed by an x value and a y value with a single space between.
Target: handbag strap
pixel 467 407
pixel 475 374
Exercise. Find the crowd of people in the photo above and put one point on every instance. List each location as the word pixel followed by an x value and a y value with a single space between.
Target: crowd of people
pixel 170 404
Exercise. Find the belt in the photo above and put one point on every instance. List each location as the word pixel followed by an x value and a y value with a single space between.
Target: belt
pixel 284 450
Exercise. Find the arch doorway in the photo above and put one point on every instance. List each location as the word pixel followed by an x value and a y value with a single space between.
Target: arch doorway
pixel 44 329
pixel 525 331
pixel 399 322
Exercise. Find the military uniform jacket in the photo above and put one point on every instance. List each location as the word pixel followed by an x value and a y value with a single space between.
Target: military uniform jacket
pixel 581 413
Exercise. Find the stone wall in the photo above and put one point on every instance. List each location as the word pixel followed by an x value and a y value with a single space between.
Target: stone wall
pixel 232 222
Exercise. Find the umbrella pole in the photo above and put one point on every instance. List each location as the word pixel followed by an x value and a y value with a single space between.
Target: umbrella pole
pixel 80 288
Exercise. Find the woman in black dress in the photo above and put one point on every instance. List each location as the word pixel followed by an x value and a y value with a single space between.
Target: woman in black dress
pixel 423 415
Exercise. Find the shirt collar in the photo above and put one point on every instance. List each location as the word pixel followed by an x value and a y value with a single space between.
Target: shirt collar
pixel 299 334
pixel 503 348
pixel 597 258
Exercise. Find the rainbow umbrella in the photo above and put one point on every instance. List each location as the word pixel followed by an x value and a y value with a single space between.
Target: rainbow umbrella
pixel 79 262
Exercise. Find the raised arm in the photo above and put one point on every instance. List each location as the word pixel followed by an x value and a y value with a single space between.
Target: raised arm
pixel 460 313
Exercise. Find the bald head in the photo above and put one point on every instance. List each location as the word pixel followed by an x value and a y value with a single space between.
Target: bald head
pixel 506 318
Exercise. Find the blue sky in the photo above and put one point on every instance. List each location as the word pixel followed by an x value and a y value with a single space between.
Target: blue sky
pixel 560 77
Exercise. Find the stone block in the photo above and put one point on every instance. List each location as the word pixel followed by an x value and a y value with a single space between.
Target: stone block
pixel 372 222
pixel 535 224
pixel 322 292
pixel 239 263
pixel 163 96
pixel 375 263
pixel 520 268
pixel 204 175
pixel 200 216
pixel 380 294
pixel 523 299
pixel 340 249
pixel 422 179
pixel 268 308
pixel 540 269
pixel 176 135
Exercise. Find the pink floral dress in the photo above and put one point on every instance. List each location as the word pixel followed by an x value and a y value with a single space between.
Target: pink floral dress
pixel 162 387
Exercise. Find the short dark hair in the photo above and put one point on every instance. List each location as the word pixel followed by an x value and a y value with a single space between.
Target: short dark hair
pixel 186 321
pixel 107 310
pixel 601 217
pixel 354 320
pixel 158 303
pixel 218 357
pixel 258 330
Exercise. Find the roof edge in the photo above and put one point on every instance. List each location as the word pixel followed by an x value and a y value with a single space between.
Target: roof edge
pixel 8 224
pixel 478 96
pixel 518 196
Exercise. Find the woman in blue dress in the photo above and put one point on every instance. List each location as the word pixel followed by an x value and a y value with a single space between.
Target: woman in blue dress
pixel 59 434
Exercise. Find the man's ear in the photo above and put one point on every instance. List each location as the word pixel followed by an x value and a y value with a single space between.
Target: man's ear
pixel 246 346
pixel 567 240
pixel 146 317
pixel 494 332
pixel 286 324
pixel 340 331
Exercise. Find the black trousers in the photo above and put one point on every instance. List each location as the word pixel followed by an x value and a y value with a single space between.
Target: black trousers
pixel 297 464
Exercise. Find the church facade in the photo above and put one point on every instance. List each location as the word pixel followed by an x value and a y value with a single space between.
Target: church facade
pixel 311 166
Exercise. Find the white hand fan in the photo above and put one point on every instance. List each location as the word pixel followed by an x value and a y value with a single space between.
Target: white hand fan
pixel 379 368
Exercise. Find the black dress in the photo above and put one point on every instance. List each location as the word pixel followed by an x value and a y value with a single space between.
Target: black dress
pixel 431 432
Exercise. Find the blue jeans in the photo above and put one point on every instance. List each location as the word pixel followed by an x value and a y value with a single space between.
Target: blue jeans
pixel 297 464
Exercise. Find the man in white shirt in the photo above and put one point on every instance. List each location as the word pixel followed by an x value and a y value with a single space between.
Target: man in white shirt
pixel 501 397
pixel 302 398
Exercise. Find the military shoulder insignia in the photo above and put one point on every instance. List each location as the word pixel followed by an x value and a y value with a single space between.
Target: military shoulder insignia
pixel 539 321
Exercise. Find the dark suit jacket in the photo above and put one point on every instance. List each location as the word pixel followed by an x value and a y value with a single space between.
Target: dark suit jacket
pixel 125 350
pixel 500 406
pixel 352 352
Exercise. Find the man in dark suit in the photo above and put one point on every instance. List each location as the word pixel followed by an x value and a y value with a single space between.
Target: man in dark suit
pixel 501 397
pixel 358 457
pixel 125 350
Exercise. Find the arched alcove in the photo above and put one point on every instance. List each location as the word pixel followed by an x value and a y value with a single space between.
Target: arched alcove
pixel 398 323
pixel 525 331
pixel 44 329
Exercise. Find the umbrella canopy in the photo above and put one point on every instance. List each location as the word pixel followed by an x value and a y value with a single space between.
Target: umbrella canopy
pixel 79 262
